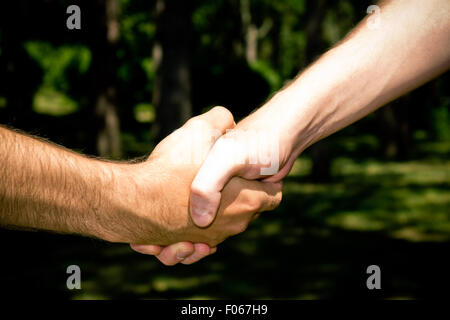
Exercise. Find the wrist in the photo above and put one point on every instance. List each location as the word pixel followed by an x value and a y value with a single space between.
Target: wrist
pixel 307 109
pixel 117 188
pixel 133 205
pixel 293 119
pixel 101 219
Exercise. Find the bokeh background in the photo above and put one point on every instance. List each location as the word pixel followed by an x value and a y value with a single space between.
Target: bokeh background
pixel 378 192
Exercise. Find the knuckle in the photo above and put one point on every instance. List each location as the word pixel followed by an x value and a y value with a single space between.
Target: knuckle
pixel 196 122
pixel 278 198
pixel 275 201
pixel 190 121
pixel 271 202
pixel 254 205
pixel 250 202
pixel 224 113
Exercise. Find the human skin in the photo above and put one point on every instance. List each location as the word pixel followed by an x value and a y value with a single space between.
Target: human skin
pixel 47 187
pixel 372 66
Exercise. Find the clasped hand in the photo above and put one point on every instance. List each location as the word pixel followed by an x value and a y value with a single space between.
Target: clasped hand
pixel 174 164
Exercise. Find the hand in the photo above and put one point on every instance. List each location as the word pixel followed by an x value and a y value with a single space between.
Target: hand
pixel 365 71
pixel 173 165
pixel 257 148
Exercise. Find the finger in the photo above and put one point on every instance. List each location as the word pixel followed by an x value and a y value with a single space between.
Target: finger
pixel 252 196
pixel 272 197
pixel 147 249
pixel 206 188
pixel 218 118
pixel 175 253
pixel 201 250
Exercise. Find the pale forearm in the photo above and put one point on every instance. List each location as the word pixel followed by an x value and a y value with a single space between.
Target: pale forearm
pixel 371 67
pixel 368 69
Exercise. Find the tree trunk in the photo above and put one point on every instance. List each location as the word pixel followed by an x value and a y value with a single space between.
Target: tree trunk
pixel 20 76
pixel 395 133
pixel 172 92
pixel 104 40
pixel 320 153
pixel 250 32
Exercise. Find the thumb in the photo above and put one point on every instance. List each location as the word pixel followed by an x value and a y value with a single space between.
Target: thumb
pixel 206 188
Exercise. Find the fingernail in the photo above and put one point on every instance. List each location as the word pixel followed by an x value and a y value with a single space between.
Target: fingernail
pixel 181 255
pixel 201 217
pixel 199 212
pixel 198 206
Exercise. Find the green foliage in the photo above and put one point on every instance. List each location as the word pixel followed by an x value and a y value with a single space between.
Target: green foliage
pixel 338 22
pixel 405 200
pixel 136 71
pixel 292 37
pixel 292 47
pixel 149 67
pixel 441 120
pixel 144 113
pixel 57 62
pixel 268 73
pixel 49 101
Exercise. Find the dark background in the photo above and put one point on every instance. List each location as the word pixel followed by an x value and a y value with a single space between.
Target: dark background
pixel 378 192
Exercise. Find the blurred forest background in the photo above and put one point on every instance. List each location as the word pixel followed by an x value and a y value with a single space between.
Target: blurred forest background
pixel 378 192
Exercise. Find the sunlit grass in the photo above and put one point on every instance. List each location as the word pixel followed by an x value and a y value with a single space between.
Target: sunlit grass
pixel 408 200
pixel 442 148
pixel 164 283
pixel 313 246
pixel 302 166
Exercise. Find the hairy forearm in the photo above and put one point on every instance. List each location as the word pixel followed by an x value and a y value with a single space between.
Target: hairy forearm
pixel 43 186
pixel 370 68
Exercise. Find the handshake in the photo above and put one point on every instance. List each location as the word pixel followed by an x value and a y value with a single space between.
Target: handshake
pixel 202 184
pixel 210 178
